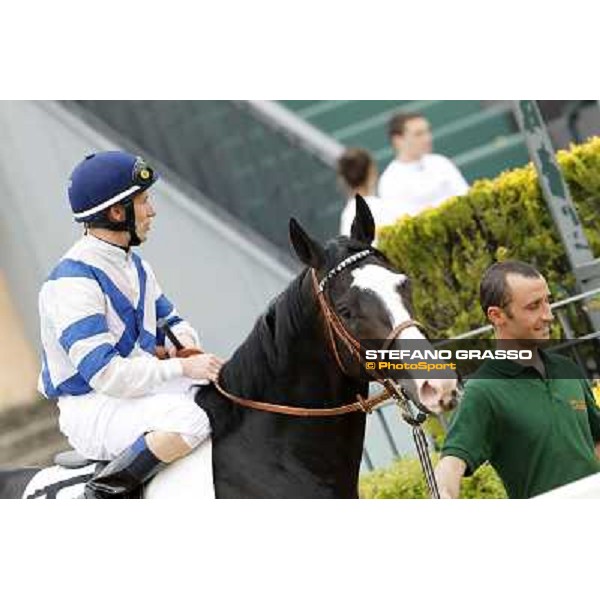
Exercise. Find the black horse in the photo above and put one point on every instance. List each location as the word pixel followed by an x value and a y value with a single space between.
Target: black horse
pixel 288 359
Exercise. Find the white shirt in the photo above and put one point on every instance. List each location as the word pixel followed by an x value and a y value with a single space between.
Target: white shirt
pixel 380 214
pixel 410 187
pixel 98 313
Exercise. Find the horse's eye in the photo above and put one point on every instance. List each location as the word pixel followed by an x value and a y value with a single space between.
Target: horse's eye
pixel 344 311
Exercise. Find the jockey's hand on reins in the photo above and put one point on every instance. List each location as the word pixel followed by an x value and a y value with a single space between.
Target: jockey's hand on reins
pixel 162 353
pixel 185 352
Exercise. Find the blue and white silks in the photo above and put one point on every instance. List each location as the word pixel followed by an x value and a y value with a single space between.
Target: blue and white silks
pixel 98 313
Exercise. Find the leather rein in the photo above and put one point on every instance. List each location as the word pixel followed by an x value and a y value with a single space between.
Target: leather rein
pixel 335 328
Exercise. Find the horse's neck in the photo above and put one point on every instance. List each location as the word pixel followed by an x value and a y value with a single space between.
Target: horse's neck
pixel 288 457
pixel 312 376
pixel 308 374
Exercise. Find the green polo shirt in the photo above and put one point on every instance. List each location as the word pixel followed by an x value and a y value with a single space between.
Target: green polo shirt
pixel 538 433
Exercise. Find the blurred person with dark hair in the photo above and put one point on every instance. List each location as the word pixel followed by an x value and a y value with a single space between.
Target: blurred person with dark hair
pixel 100 309
pixel 417 179
pixel 358 172
pixel 535 420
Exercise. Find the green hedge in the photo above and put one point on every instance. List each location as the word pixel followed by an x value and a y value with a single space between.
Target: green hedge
pixel 404 479
pixel 445 250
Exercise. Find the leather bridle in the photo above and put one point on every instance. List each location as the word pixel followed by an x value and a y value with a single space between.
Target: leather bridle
pixel 335 329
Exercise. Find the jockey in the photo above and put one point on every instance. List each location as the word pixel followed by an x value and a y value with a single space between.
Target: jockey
pixel 99 310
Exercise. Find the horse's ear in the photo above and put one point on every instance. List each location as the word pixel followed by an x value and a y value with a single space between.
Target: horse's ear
pixel 308 250
pixel 363 226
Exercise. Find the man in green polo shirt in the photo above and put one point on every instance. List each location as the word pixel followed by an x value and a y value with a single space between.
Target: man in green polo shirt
pixel 535 422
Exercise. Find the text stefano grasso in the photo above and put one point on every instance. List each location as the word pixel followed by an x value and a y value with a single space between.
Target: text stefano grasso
pixel 497 354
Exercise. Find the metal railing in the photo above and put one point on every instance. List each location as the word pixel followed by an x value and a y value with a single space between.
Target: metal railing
pixel 301 132
pixel 588 361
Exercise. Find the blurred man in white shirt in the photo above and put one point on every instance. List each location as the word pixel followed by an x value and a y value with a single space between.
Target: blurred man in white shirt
pixel 417 179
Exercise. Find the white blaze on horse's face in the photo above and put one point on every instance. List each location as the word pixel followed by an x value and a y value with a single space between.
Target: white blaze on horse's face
pixel 435 394
pixel 385 284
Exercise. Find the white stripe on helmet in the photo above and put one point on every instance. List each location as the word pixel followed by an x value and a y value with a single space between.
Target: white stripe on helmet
pixel 107 203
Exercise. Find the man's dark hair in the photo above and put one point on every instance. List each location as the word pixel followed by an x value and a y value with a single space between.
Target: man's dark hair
pixel 353 167
pixel 399 121
pixel 493 289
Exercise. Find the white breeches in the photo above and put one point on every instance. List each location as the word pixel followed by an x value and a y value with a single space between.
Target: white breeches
pixel 100 426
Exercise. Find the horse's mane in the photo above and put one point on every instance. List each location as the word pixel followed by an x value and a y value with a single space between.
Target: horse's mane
pixel 266 348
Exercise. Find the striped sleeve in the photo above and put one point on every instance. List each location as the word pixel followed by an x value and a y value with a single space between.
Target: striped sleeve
pixel 77 309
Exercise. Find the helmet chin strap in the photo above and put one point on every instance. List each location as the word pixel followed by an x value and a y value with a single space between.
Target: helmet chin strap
pixel 134 239
pixel 128 224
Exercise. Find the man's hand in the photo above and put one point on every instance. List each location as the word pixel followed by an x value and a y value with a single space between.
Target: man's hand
pixel 448 473
pixel 161 353
pixel 202 366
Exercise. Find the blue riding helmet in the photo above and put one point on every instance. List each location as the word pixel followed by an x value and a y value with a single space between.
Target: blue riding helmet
pixel 104 179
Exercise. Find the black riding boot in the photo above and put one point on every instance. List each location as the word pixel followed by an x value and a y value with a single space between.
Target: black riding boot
pixel 124 475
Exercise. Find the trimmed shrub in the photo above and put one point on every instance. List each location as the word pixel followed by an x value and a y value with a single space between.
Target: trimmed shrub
pixel 445 250
pixel 596 390
pixel 405 479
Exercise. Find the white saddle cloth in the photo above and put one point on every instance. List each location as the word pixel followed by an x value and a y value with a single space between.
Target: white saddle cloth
pixel 190 478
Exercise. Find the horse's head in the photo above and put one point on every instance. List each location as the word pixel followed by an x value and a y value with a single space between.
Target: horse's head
pixel 370 296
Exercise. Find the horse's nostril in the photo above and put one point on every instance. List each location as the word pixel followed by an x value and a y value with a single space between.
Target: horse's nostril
pixel 455 397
